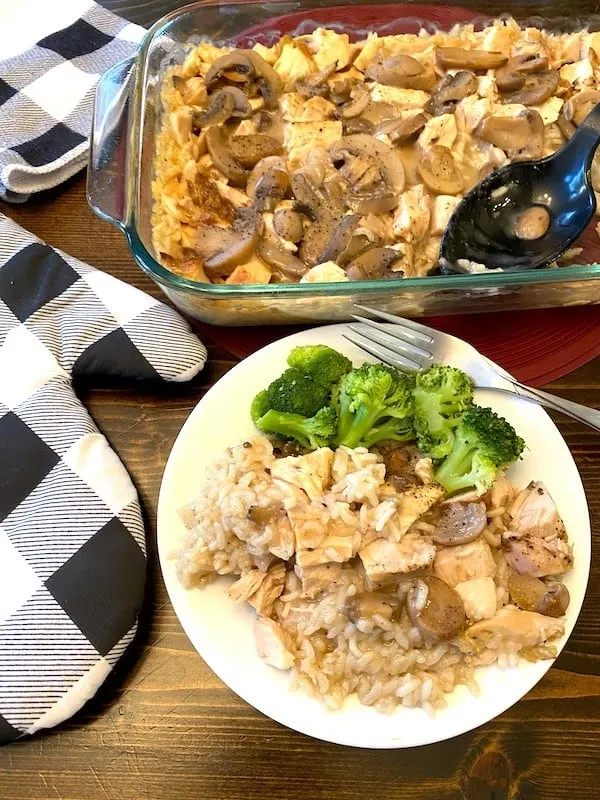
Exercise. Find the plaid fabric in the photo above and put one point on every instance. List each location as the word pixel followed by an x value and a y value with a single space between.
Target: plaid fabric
pixel 72 549
pixel 51 57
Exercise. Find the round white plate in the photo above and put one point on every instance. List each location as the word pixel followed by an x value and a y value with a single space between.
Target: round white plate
pixel 221 631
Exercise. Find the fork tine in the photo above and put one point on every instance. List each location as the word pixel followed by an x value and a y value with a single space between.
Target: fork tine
pixel 391 338
pixel 383 353
pixel 420 331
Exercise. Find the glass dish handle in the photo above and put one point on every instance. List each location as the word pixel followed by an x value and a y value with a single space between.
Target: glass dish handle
pixel 107 168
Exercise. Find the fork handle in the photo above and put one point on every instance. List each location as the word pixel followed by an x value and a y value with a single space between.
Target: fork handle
pixel 588 416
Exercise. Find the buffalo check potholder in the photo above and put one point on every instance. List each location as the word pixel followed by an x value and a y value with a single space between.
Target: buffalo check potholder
pixel 72 550
pixel 52 55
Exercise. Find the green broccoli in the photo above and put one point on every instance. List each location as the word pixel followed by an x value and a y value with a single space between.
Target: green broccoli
pixel 319 362
pixel 441 395
pixel 292 392
pixel 313 432
pixel 484 443
pixel 374 402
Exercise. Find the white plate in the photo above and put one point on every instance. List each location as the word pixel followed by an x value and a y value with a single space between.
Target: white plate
pixel 221 631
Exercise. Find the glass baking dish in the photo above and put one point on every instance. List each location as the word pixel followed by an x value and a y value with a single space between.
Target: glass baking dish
pixel 125 124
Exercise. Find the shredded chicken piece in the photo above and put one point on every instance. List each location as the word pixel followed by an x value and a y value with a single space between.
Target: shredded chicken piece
pixel 538 557
pixel 464 562
pixel 311 473
pixel 383 559
pixel 271 643
pixel 260 589
pixel 534 513
pixel 413 503
pixel 526 628
pixel 479 597
pixel 319 578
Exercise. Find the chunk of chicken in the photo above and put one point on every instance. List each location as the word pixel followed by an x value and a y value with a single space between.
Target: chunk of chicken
pixel 465 562
pixel 538 557
pixel 383 559
pixel 311 473
pixel 271 643
pixel 317 579
pixel 502 492
pixel 269 590
pixel 534 513
pixel 319 544
pixel 413 503
pixel 282 540
pixel 424 470
pixel 260 589
pixel 526 628
pixel 412 216
pixel 479 597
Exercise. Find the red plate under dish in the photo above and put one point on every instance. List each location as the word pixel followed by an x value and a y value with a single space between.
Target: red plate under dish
pixel 535 346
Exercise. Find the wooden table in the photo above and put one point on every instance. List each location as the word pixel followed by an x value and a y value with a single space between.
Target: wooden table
pixel 165 727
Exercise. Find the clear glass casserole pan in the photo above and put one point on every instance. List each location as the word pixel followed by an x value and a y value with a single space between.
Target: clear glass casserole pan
pixel 126 118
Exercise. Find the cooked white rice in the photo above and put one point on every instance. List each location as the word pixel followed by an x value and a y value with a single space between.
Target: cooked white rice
pixel 385 661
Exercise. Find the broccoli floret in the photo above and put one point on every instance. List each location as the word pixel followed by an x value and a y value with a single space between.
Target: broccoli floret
pixel 313 432
pixel 321 363
pixel 367 398
pixel 292 392
pixel 484 443
pixel 441 395
pixel 399 430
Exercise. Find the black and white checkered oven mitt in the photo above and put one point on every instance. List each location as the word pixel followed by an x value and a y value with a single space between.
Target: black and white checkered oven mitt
pixel 72 550
pixel 51 57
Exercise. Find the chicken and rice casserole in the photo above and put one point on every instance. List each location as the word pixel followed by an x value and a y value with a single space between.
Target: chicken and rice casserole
pixel 367 579
pixel 321 159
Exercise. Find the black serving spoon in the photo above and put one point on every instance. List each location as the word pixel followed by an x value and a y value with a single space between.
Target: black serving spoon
pixel 482 230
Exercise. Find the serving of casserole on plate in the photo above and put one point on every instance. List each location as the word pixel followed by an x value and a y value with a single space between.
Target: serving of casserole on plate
pixel 322 159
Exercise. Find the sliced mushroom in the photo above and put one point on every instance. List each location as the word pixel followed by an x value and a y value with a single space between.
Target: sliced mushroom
pixel 281 260
pixel 339 89
pixel 512 75
pixel 288 224
pixel 227 102
pixel 477 60
pixel 435 609
pixel 358 244
pixel 340 238
pixel 249 150
pixel 235 66
pixel 403 71
pixel 309 200
pixel 536 88
pixel 358 102
pixel 521 136
pixel 380 112
pixel 377 181
pixel 268 183
pixel 402 131
pixel 366 605
pixel 357 125
pixel 460 523
pixel 532 594
pixel 218 147
pixel 373 263
pixel 576 109
pixel 315 84
pixel 245 66
pixel 224 248
pixel 438 171
pixel 268 81
pixel 449 91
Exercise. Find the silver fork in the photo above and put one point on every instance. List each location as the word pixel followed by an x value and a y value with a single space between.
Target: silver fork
pixel 412 346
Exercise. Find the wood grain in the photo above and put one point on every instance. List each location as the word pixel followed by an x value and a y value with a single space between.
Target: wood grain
pixel 165 727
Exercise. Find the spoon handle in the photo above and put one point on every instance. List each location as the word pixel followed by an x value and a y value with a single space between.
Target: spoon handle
pixel 586 138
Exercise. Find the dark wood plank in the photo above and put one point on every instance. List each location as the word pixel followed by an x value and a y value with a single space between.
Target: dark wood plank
pixel 165 727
